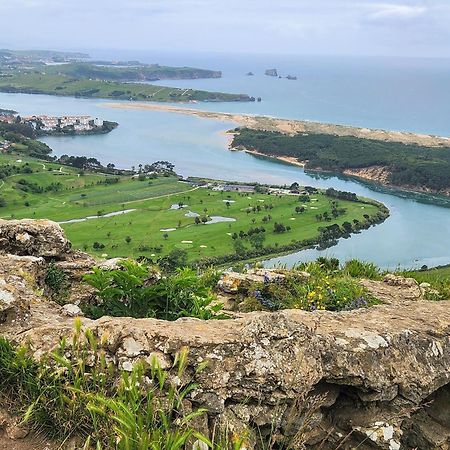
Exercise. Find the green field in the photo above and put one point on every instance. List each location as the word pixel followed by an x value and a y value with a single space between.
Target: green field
pixel 36 82
pixel 433 276
pixel 69 195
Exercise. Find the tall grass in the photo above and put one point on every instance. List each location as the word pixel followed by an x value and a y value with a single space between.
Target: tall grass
pixel 75 391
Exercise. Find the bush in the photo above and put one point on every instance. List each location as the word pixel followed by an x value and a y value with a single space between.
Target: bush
pixel 55 279
pixel 361 269
pixel 326 288
pixel 134 292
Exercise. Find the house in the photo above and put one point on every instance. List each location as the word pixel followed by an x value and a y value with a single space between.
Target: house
pixel 238 188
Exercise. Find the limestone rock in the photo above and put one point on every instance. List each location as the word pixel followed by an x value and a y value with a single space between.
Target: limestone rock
pixel 231 282
pixel 29 267
pixel 16 430
pixel 15 299
pixel 395 280
pixel 110 264
pixel 71 310
pixel 33 238
pixel 379 375
pixel 75 265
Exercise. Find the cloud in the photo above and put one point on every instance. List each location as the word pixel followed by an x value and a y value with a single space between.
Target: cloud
pixel 395 12
pixel 399 27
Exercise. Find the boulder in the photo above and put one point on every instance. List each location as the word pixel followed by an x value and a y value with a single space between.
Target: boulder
pixel 33 238
pixel 230 282
pixel 395 280
pixel 71 310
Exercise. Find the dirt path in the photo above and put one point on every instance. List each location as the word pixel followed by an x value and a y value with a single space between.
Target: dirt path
pixel 31 442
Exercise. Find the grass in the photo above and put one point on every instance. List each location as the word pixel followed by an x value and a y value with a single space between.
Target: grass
pixel 35 82
pixel 326 287
pixel 438 279
pixel 75 391
pixel 80 196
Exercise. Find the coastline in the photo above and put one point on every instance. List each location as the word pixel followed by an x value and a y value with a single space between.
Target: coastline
pixel 377 174
pixel 289 126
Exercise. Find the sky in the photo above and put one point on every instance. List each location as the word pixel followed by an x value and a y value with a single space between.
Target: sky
pixel 341 27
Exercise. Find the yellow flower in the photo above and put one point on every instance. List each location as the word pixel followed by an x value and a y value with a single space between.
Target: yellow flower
pixel 312 294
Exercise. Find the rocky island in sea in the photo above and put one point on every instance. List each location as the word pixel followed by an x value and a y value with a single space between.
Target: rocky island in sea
pixel 271 72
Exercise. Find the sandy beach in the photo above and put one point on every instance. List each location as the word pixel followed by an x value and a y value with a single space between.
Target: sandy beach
pixel 288 126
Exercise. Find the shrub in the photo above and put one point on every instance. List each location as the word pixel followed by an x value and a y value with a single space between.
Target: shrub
pixel 98 245
pixel 55 279
pixel 325 288
pixel 361 269
pixel 132 292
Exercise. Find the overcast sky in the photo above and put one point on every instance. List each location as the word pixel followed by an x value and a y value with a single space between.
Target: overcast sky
pixel 398 27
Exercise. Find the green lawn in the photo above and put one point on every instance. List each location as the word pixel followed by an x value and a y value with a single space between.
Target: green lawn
pixel 437 275
pixel 39 83
pixel 81 196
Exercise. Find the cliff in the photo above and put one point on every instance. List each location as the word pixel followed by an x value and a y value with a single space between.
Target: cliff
pixel 374 377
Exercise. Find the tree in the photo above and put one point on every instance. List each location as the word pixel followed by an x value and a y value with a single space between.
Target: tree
pixel 279 227
pixel 175 259
pixel 128 239
pixel 197 220
pixel 165 235
pixel 257 240
pixel 347 226
pixel 239 247
pixel 204 219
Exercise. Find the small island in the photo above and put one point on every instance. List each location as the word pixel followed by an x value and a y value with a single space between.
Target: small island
pixel 271 72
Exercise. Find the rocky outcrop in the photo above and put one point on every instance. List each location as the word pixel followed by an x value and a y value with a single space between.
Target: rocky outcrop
pixel 374 378
pixel 271 72
pixel 33 238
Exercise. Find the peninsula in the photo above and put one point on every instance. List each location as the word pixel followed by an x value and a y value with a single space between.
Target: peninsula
pixel 405 160
pixel 71 74
pixel 43 125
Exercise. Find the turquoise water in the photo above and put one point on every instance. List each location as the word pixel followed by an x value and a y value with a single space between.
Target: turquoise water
pixel 408 95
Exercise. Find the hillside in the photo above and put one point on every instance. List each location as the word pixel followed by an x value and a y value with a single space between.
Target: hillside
pixel 140 72
pixel 37 82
